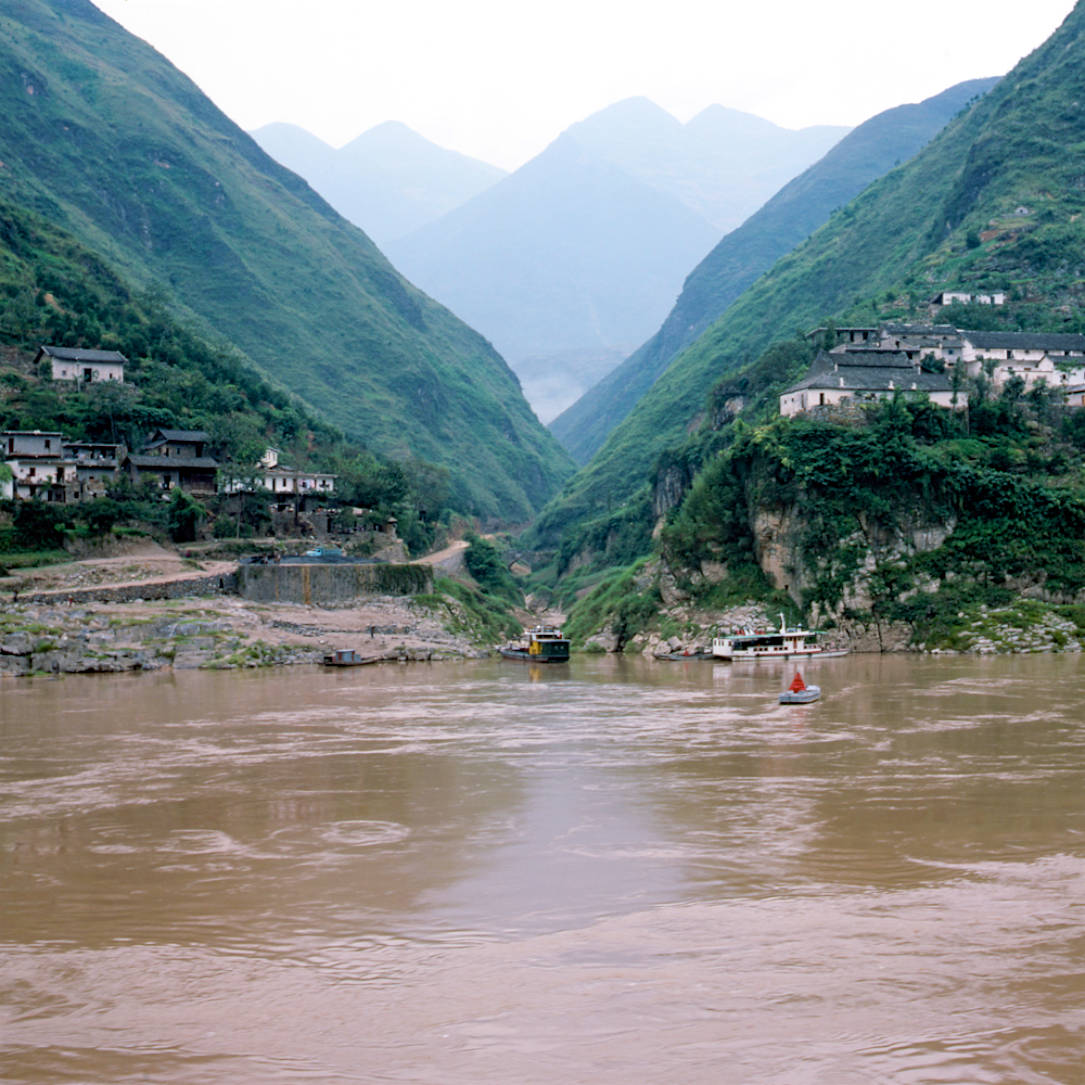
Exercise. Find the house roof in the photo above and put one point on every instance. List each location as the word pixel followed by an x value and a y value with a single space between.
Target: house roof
pixel 1024 340
pixel 194 436
pixel 172 463
pixel 919 329
pixel 90 444
pixel 868 358
pixel 75 354
pixel 869 371
pixel 842 329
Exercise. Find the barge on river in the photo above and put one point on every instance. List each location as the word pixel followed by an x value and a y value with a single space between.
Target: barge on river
pixel 782 643
pixel 541 644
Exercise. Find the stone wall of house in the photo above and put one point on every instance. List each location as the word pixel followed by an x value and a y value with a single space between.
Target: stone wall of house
pixel 330 585
pixel 840 414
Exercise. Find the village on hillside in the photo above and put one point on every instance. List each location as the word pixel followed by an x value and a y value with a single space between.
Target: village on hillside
pixel 871 363
pixel 53 468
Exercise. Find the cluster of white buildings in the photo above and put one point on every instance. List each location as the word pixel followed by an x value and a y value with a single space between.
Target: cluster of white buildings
pixel 877 362
pixel 51 467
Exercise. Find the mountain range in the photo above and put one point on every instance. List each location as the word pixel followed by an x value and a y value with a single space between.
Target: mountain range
pixel 570 261
pixel 389 181
pixel 772 231
pixel 108 141
pixel 996 201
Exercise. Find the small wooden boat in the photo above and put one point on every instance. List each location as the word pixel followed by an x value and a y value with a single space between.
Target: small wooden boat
pixel 694 653
pixel 542 644
pixel 348 657
pixel 799 692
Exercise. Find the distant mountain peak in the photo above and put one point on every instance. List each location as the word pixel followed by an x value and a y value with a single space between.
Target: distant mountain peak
pixel 389 181
pixel 718 117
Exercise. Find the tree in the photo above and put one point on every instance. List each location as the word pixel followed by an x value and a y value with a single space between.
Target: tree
pixel 371 483
pixel 109 404
pixel 183 515
pixel 484 563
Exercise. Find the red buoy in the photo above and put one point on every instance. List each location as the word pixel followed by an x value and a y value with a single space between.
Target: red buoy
pixel 797 684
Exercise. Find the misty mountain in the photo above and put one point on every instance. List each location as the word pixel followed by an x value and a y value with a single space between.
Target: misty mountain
pixel 798 209
pixel 723 163
pixel 108 141
pixel 569 257
pixel 389 181
pixel 569 262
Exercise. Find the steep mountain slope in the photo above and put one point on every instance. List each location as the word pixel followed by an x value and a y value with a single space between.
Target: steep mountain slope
pixel 108 140
pixel 575 258
pixel 388 182
pixel 798 209
pixel 994 201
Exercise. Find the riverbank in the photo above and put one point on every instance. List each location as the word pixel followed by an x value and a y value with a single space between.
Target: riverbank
pixel 54 626
pixel 221 632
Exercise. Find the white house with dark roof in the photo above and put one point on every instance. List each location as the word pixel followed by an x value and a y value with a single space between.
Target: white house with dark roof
pixel 94 465
pixel 49 467
pixel 76 364
pixel 948 297
pixel 38 464
pixel 175 458
pixel 184 443
pixel 283 481
pixel 858 375
pixel 1058 358
pixel 32 444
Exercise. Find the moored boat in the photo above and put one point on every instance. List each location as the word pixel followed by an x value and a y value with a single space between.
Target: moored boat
pixel 685 657
pixel 348 657
pixel 782 643
pixel 541 644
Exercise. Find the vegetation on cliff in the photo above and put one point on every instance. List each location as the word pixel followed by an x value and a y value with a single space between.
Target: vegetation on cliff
pixel 57 291
pixel 918 517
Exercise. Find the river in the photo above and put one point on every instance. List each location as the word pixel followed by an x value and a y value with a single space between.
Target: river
pixel 611 871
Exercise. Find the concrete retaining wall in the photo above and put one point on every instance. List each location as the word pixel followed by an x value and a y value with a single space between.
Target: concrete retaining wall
pixel 169 589
pixel 330 585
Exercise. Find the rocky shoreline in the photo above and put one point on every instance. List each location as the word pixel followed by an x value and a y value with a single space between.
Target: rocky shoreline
pixel 50 638
pixel 1027 626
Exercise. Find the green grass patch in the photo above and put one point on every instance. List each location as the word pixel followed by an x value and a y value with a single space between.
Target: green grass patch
pixel 483 619
pixel 33 559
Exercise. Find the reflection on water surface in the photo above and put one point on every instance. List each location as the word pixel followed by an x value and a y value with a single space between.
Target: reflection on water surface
pixel 609 871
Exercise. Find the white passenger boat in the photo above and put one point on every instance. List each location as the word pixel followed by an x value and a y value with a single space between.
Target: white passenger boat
pixel 782 643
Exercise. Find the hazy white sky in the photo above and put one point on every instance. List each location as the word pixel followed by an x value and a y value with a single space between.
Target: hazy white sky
pixel 499 79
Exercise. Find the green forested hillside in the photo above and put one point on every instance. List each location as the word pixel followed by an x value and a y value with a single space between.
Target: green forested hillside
pixel 994 201
pixel 104 138
pixel 55 290
pixel 798 209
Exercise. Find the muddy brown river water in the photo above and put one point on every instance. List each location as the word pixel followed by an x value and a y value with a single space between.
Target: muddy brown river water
pixel 611 871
